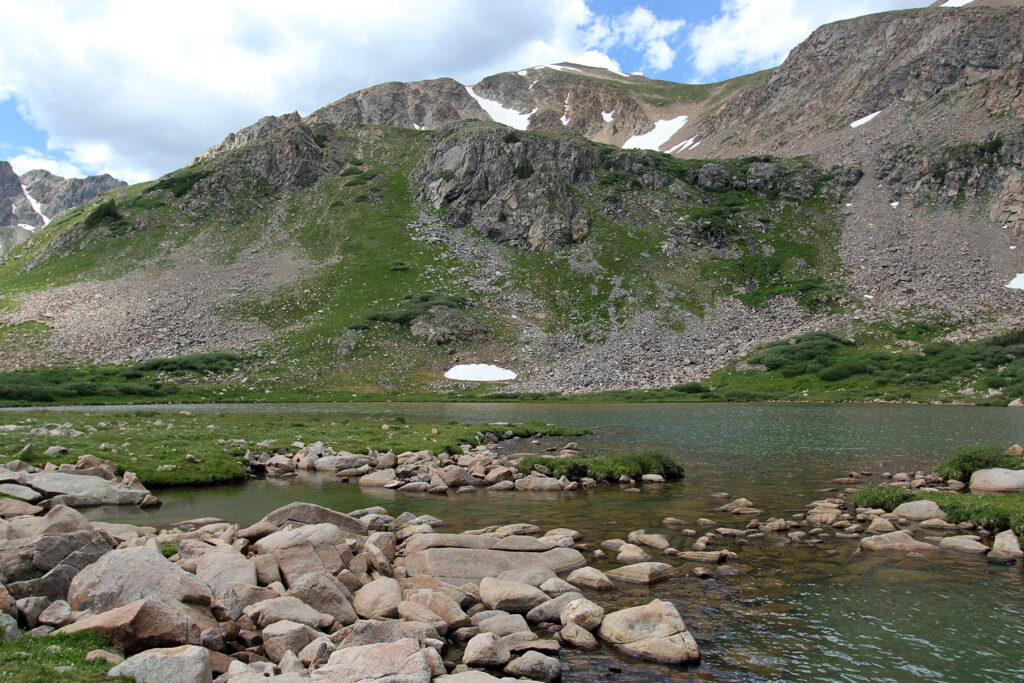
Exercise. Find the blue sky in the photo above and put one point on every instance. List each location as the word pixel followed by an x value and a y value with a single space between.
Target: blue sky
pixel 136 90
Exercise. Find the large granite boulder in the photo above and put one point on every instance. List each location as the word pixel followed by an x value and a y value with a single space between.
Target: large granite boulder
pixel 77 490
pixel 920 510
pixel 224 565
pixel 310 548
pixel 123 576
pixel 141 625
pixel 654 631
pixel 329 595
pixel 895 541
pixel 510 596
pixel 459 565
pixel 296 514
pixel 398 662
pixel 997 480
pixel 183 664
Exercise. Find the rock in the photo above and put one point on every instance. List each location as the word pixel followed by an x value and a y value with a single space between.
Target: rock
pixel 310 548
pixel 76 490
pixel 8 628
pixel 104 656
pixel 229 604
pixel 632 554
pixel 141 625
pixel 895 541
pixel 441 605
pixel 287 608
pixel 502 624
pixel 920 509
pixel 654 632
pixel 402 661
pixel 708 556
pixel 582 612
pixel 578 637
pixel 328 595
pixel 307 513
pixel 510 596
pixel 317 651
pixel 591 578
pixel 532 576
pixel 222 566
pixel 643 573
pixel 379 598
pixel 463 565
pixel 486 650
pixel 287 636
pixel 880 525
pixel 556 586
pixel 997 480
pixel 538 482
pixel 20 492
pixel 1004 542
pixel 7 604
pixel 377 478
pixel 535 666
pixel 549 610
pixel 641 537
pixel 9 507
pixel 963 544
pixel 124 576
pixel 30 608
pixel 184 664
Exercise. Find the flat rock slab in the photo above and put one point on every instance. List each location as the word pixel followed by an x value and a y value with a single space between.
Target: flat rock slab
pixel 919 510
pixel 643 573
pixel 895 541
pixel 77 490
pixel 462 565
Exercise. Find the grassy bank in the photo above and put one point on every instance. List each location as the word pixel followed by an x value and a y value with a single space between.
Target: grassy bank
pixel 143 442
pixel 607 467
pixel 55 658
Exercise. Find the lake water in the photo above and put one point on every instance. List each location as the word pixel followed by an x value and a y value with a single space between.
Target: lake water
pixel 794 612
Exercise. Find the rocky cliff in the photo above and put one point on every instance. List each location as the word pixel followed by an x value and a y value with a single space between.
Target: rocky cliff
pixel 38 196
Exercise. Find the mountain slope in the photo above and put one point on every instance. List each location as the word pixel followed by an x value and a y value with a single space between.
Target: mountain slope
pixel 357 249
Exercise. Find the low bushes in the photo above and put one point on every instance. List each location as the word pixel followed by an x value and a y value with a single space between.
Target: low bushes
pixel 607 467
pixel 968 459
pixel 887 498
pixel 993 511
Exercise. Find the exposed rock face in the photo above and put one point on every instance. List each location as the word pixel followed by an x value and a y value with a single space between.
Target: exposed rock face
pixel 56 195
pixel 257 131
pixel 421 104
pixel 514 189
pixel 443 324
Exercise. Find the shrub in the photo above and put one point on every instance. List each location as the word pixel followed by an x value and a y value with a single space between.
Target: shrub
pixel 524 170
pixel 105 213
pixel 320 139
pixel 607 467
pixel 447 174
pixel 968 459
pixel 510 137
pixel 886 497
pixel 993 511
pixel 398 266
pixel 179 183
pixel 690 388
pixel 215 362
pixel 417 306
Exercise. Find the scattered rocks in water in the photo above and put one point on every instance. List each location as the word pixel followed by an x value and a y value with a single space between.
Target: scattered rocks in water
pixel 895 541
pixel 654 632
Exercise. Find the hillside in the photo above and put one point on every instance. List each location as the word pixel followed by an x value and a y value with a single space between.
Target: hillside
pixel 398 231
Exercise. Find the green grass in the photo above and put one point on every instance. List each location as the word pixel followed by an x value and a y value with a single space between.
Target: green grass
pixel 887 498
pixel 968 459
pixel 992 511
pixel 55 658
pixel 170 548
pixel 607 467
pixel 145 441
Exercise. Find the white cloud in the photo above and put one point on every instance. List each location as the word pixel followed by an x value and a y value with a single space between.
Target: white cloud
pixel 753 34
pixel 646 32
pixel 31 159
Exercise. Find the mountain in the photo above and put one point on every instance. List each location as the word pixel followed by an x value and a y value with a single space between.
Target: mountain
pixel 38 196
pixel 587 229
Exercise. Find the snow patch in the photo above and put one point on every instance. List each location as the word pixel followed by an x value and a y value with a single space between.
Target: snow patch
pixel 954 3
pixel 894 204
pixel 608 116
pixel 36 206
pixel 480 372
pixel 1017 282
pixel 636 73
pixel 565 115
pixel 522 72
pixel 500 113
pixel 663 130
pixel 559 67
pixel 684 145
pixel 869 296
pixel 417 126
pixel 26 226
pixel 860 122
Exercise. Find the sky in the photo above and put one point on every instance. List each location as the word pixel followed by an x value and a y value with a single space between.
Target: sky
pixel 138 89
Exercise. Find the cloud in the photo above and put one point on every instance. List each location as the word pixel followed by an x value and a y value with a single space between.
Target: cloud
pixel 31 159
pixel 752 34
pixel 139 88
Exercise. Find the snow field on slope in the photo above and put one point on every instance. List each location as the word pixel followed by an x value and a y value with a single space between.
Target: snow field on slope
pixel 480 372
pixel 663 131
pixel 500 113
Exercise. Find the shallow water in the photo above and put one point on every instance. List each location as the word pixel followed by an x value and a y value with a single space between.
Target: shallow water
pixel 795 612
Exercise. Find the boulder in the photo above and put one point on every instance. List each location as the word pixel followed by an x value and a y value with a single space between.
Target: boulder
pixel 124 576
pixel 77 490
pixel 183 664
pixel 578 637
pixel 510 596
pixel 551 609
pixel 21 492
pixel 56 614
pixel 880 525
pixel 535 666
pixel 402 661
pixel 267 612
pixel 895 541
pixel 7 605
pixel 328 595
pixel 654 632
pixel 230 603
pixel 310 548
pixel 918 510
pixel 997 480
pixel 465 565
pixel 963 544
pixel 141 625
pixel 224 565
pixel 632 554
pixel 379 598
pixel 502 624
pixel 486 650
pixel 296 514
pixel 536 482
pixel 643 573
pixel 582 612
pixel 441 605
pixel 8 628
pixel 287 636
pixel 378 478
pixel 591 578
pixel 1007 542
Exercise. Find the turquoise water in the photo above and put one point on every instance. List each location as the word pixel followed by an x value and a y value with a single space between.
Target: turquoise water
pixel 800 613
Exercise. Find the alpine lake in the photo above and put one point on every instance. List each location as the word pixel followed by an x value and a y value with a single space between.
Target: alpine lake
pixel 790 611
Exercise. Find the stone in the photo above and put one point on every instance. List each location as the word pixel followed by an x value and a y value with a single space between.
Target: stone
pixel 9 507
pixel 643 573
pixel 1007 542
pixel 30 608
pixel 578 637
pixel 124 576
pixel 538 482
pixel 377 478
pixel 328 594
pixel 309 548
pixel 486 650
pixel 641 537
pixel 402 661
pixel 379 598
pixel 317 651
pixel 510 596
pixel 550 610
pixel 141 625
pixel 287 636
pixel 632 554
pixel 582 612
pixel 963 544
pixel 267 612
pixel 535 666
pixel 590 578
pixel 708 556
pixel 503 624
pixel 997 480
pixel 103 655
pixel 412 611
pixel 880 525
pixel 7 604
pixel 20 492
pixel 654 632
pixel 77 490
pixel 184 664
pixel 556 586
pixel 917 510
pixel 464 565
pixel 230 603
pixel 441 605
pixel 532 576
pixel 895 541
pixel 8 628
pixel 222 566
pixel 307 513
